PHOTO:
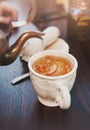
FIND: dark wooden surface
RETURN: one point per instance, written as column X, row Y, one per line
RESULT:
column 19, row 106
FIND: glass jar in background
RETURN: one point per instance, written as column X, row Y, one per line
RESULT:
column 79, row 20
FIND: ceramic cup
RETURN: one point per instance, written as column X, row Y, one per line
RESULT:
column 53, row 90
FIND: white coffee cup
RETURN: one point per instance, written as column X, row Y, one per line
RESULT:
column 53, row 90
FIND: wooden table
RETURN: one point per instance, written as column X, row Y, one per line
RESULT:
column 19, row 106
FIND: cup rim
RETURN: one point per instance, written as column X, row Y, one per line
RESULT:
column 52, row 77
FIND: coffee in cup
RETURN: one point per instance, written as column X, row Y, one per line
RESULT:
column 53, row 74
column 52, row 65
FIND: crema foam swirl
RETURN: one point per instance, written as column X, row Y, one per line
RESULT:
column 52, row 65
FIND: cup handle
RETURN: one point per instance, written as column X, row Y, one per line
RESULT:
column 64, row 100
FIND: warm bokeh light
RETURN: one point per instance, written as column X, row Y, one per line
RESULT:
column 61, row 1
column 64, row 2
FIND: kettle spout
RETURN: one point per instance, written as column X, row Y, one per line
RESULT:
column 12, row 53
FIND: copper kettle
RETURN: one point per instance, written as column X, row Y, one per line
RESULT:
column 9, row 54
